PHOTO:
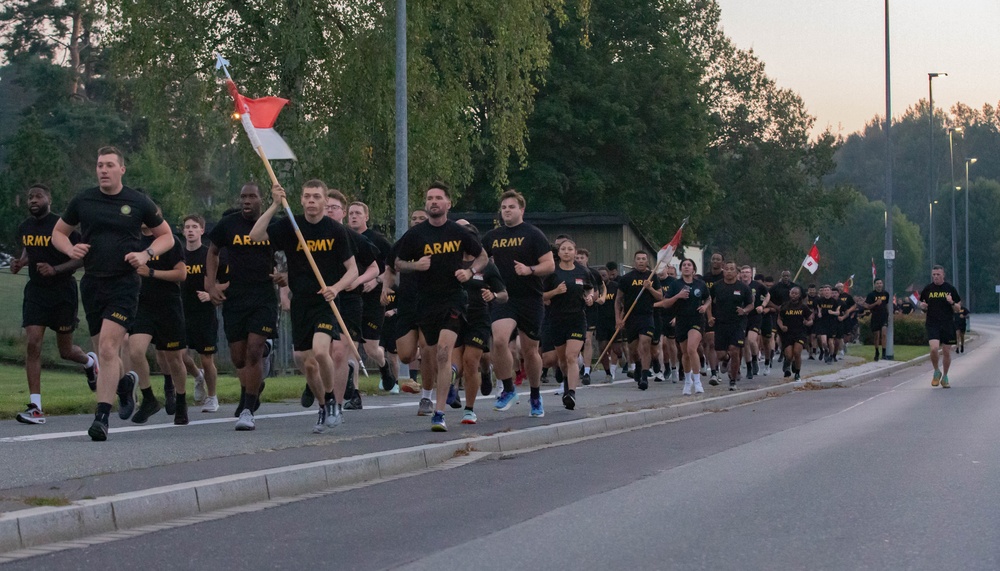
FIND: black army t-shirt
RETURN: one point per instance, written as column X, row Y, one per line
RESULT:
column 938, row 308
column 793, row 316
column 154, row 289
column 629, row 287
column 330, row 246
column 579, row 281
column 112, row 225
column 882, row 310
column 523, row 243
column 249, row 262
column 35, row 236
column 606, row 312
column 446, row 245
column 697, row 294
column 727, row 298
column 195, row 260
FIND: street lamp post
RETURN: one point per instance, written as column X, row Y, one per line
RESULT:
column 968, row 300
column 954, row 224
column 932, row 174
column 889, row 258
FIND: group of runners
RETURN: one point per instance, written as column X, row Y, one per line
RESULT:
column 459, row 306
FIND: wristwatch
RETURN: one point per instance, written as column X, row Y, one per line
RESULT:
column 152, row 272
column 150, row 252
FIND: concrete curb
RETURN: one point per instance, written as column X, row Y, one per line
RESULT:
column 39, row 526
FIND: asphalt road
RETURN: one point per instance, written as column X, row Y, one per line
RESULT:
column 893, row 474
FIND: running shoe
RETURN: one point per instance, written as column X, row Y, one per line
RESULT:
column 246, row 421
column 505, row 400
column 714, row 381
column 569, row 400
column 181, row 408
column 732, row 384
column 354, row 403
column 537, row 411
column 437, row 423
column 469, row 417
column 485, row 383
column 320, row 426
column 643, row 382
column 688, row 385
column 936, row 379
column 388, row 381
column 411, row 386
column 170, row 402
column 92, row 372
column 519, row 378
column 200, row 391
column 426, row 407
column 454, row 401
column 944, row 382
column 308, row 398
column 98, row 431
column 31, row 415
column 585, row 379
column 334, row 415
column 126, row 395
column 788, row 373
column 698, row 389
column 147, row 408
column 798, row 377
column 394, row 390
column 767, row 370
column 756, row 367
column 211, row 404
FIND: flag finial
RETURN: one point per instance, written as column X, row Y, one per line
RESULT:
column 222, row 63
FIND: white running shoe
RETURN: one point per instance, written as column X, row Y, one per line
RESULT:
column 394, row 390
column 200, row 391
column 688, row 385
column 246, row 421
column 698, row 389
column 211, row 404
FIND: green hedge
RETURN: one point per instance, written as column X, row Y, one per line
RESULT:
column 907, row 330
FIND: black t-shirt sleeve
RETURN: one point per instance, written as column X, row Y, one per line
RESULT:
column 71, row 215
column 149, row 216
column 954, row 295
column 218, row 234
column 281, row 235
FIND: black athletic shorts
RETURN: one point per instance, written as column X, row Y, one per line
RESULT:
column 250, row 309
column 685, row 325
column 636, row 326
column 434, row 319
column 163, row 319
column 729, row 335
column 388, row 337
column 789, row 338
column 372, row 315
column 406, row 318
column 202, row 331
column 54, row 307
column 605, row 329
column 310, row 316
column 352, row 312
column 667, row 328
column 754, row 322
column 115, row 299
column 657, row 327
column 528, row 312
column 824, row 327
column 476, row 332
column 842, row 328
column 767, row 325
column 943, row 331
column 563, row 328
column 591, row 313
column 880, row 321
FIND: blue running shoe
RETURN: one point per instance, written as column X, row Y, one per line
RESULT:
column 536, row 408
column 454, row 401
column 505, row 400
column 437, row 422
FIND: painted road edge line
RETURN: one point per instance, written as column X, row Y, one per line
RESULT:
column 36, row 527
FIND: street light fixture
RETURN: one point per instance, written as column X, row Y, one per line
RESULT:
column 932, row 174
column 968, row 300
column 954, row 225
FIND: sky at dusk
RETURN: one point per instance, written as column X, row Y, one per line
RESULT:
column 832, row 52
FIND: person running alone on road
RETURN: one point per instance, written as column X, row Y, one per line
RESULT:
column 940, row 301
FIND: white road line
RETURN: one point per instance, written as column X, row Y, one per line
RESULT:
column 160, row 426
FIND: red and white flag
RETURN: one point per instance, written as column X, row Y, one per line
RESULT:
column 849, row 284
column 915, row 298
column 258, row 117
column 666, row 253
column 811, row 262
